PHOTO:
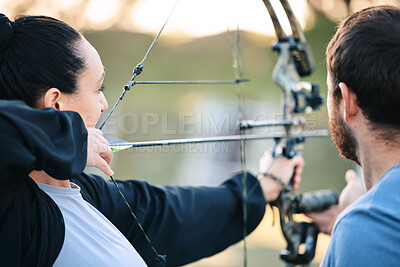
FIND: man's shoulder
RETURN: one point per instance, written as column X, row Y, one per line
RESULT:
column 381, row 200
column 368, row 231
column 364, row 237
column 378, row 207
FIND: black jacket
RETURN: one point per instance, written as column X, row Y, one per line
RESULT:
column 183, row 223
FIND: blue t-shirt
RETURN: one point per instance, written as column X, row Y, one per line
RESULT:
column 367, row 233
column 90, row 238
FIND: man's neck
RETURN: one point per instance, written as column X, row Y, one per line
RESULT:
column 377, row 157
column 44, row 178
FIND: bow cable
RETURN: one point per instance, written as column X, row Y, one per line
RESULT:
column 238, row 69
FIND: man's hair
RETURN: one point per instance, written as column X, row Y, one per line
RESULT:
column 36, row 54
column 365, row 55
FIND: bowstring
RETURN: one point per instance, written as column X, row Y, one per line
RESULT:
column 238, row 70
column 160, row 259
column 134, row 216
column 139, row 67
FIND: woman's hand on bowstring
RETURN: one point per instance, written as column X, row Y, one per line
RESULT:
column 99, row 153
column 283, row 169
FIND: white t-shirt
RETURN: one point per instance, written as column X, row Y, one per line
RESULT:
column 90, row 238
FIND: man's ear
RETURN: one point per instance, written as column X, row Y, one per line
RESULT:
column 351, row 107
column 51, row 98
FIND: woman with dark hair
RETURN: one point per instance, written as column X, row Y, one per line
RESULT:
column 64, row 218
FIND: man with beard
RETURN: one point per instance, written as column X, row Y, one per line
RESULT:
column 363, row 103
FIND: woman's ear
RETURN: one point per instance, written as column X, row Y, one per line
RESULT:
column 51, row 98
column 351, row 107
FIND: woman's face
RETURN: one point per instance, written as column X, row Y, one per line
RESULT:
column 89, row 100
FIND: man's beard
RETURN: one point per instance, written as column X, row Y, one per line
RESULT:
column 343, row 137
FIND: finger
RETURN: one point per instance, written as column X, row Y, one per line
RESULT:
column 297, row 164
column 351, row 176
column 94, row 131
column 102, row 140
column 107, row 156
column 296, row 182
column 104, row 167
column 317, row 217
column 104, row 148
column 312, row 215
column 108, row 171
column 97, row 131
column 105, row 152
column 298, row 161
column 298, row 170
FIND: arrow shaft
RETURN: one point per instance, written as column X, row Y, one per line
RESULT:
column 229, row 138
